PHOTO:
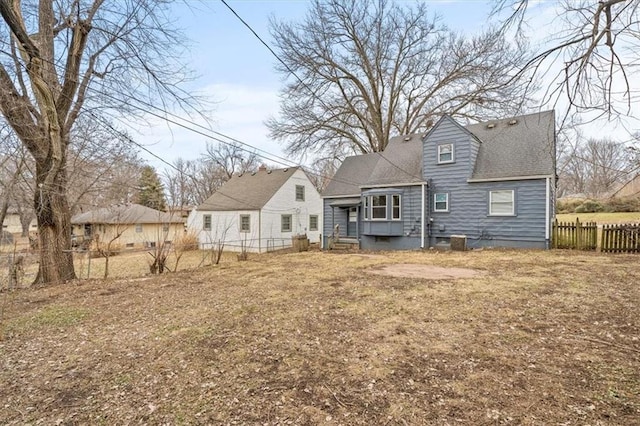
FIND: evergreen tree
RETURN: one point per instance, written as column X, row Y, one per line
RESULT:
column 151, row 191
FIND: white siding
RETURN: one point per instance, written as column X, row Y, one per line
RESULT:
column 225, row 226
column 284, row 202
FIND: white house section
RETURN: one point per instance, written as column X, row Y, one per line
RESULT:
column 294, row 208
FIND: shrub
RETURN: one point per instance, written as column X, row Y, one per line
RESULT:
column 624, row 204
column 590, row 206
column 568, row 205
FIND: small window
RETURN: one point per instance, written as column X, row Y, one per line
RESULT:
column 285, row 221
column 313, row 222
column 299, row 193
column 245, row 223
column 379, row 207
column 441, row 202
column 395, row 207
column 165, row 227
column 138, row 228
column 445, row 153
column 206, row 222
column 129, row 245
column 501, row 203
column 365, row 211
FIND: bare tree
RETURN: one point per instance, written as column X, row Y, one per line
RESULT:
column 594, row 167
column 62, row 59
column 367, row 70
column 595, row 41
column 229, row 159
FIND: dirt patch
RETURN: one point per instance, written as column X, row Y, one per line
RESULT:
column 427, row 272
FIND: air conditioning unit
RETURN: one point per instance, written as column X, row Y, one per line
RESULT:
column 458, row 242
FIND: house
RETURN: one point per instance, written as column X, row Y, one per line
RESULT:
column 492, row 182
column 127, row 225
column 12, row 223
column 259, row 211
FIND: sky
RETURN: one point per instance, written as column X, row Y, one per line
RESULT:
column 236, row 72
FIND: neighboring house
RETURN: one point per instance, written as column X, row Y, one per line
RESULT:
column 259, row 211
column 13, row 225
column 134, row 225
column 492, row 182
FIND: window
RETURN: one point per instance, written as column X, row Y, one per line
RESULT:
column 313, row 222
column 245, row 223
column 165, row 227
column 365, row 211
column 206, row 222
column 445, row 153
column 378, row 207
column 299, row 193
column 285, row 222
column 441, row 202
column 501, row 203
column 138, row 228
column 395, row 207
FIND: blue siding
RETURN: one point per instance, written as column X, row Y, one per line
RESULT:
column 403, row 234
column 469, row 202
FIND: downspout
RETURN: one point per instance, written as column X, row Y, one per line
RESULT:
column 547, row 213
column 422, row 218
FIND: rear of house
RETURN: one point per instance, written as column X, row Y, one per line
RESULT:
column 492, row 182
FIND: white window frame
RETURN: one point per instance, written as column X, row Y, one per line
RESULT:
column 138, row 228
column 365, row 210
column 395, row 197
column 207, row 226
column 301, row 193
column 512, row 202
column 435, row 202
column 282, row 227
column 242, row 228
column 440, row 153
column 375, row 208
column 317, row 224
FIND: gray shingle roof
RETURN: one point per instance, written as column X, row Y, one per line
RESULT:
column 401, row 162
column 526, row 148
column 249, row 191
column 507, row 150
column 125, row 213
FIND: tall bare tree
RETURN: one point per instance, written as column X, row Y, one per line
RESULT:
column 230, row 158
column 366, row 70
column 596, row 43
column 61, row 58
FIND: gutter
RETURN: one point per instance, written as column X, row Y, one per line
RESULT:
column 547, row 213
column 422, row 219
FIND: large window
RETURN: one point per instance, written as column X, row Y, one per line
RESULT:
column 299, row 193
column 313, row 222
column 382, row 207
column 395, row 207
column 379, row 207
column 441, row 202
column 245, row 223
column 206, row 222
column 501, row 203
column 445, row 153
column 285, row 223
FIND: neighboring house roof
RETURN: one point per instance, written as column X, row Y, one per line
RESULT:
column 125, row 214
column 248, row 191
column 515, row 147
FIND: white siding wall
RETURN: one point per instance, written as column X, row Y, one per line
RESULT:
column 284, row 202
column 225, row 226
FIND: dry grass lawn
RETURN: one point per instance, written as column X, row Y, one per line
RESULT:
column 601, row 218
column 533, row 338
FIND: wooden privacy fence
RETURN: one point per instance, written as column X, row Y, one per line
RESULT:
column 575, row 235
column 624, row 238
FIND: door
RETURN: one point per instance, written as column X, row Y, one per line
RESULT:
column 352, row 223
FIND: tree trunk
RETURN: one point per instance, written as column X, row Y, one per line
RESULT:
column 54, row 223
